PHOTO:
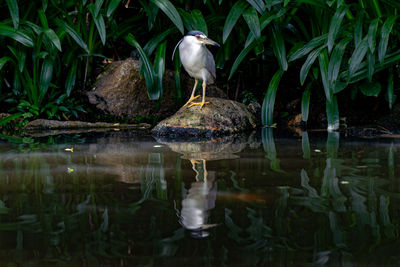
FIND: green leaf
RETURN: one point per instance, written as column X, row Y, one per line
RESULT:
column 278, row 45
column 71, row 78
column 74, row 35
column 149, row 74
column 390, row 93
column 151, row 12
column 10, row 118
column 199, row 22
column 100, row 25
column 334, row 27
column 332, row 114
column 168, row 8
column 305, row 103
column 234, row 14
column 323, row 60
column 370, row 65
column 45, row 77
column 308, row 63
column 373, row 27
column 53, row 38
column 358, row 28
column 3, row 61
column 336, row 60
column 14, row 12
column 357, row 57
column 17, row 35
column 97, row 7
column 43, row 19
column 258, row 5
column 385, row 32
column 251, row 18
column 112, row 6
column 307, row 48
column 159, row 68
column 153, row 43
column 267, row 109
column 240, row 58
column 370, row 88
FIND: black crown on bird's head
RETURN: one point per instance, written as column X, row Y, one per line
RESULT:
column 194, row 33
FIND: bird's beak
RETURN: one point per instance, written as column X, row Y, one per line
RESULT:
column 209, row 42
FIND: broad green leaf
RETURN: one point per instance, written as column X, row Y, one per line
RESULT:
column 370, row 88
column 267, row 109
column 74, row 35
column 53, row 38
column 278, row 45
column 240, row 58
column 358, row 29
column 177, row 76
column 357, row 57
column 307, row 48
column 373, row 27
column 17, row 35
column 334, row 27
column 234, row 14
column 71, row 78
column 385, row 32
column 336, row 60
column 20, row 55
column 151, row 11
column 46, row 75
column 390, row 93
column 168, row 8
column 153, row 42
column 332, row 114
column 3, row 61
column 305, row 103
column 100, row 25
column 4, row 122
column 14, row 12
column 370, row 65
column 323, row 60
column 159, row 68
column 149, row 74
column 308, row 63
column 43, row 19
column 199, row 21
column 251, row 18
column 258, row 5
column 112, row 6
column 97, row 7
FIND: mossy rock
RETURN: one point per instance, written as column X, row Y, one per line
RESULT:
column 220, row 117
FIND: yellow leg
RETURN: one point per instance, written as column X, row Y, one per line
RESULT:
column 203, row 100
column 192, row 97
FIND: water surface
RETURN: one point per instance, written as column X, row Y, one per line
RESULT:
column 126, row 199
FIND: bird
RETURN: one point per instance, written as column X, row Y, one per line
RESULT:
column 198, row 62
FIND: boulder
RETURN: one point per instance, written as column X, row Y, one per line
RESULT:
column 220, row 117
column 120, row 91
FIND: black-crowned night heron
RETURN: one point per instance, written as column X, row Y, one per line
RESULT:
column 197, row 61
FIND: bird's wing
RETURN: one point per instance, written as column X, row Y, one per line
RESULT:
column 210, row 64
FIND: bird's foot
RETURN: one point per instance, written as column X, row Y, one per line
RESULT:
column 191, row 99
column 201, row 104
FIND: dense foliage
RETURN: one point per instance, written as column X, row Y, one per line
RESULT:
column 52, row 49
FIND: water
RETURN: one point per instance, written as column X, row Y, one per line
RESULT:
column 124, row 199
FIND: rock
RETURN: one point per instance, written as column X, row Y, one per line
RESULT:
column 120, row 91
column 220, row 117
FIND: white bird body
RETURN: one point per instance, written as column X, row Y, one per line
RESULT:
column 195, row 58
column 198, row 62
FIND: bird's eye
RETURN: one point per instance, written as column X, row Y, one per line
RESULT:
column 198, row 36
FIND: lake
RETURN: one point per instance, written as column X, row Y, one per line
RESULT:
column 124, row 198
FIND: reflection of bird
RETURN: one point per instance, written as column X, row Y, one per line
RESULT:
column 197, row 61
